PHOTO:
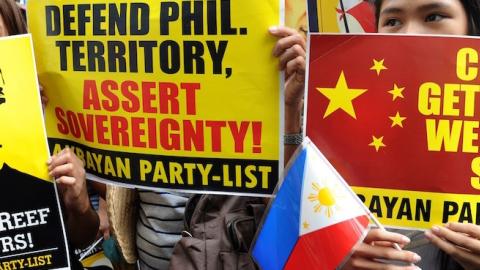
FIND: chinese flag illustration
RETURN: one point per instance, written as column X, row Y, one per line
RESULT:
column 397, row 112
column 340, row 16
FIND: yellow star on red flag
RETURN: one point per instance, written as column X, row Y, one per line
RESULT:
column 341, row 97
column 377, row 143
column 378, row 66
column 397, row 120
column 397, row 92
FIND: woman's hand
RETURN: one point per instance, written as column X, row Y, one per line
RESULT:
column 82, row 221
column 69, row 174
column 290, row 50
column 459, row 240
column 379, row 245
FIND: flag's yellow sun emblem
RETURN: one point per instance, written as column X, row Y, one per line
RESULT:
column 324, row 197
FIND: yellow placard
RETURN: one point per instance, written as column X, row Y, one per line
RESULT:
column 97, row 259
column 296, row 15
column 419, row 210
column 31, row 232
column 22, row 140
column 170, row 94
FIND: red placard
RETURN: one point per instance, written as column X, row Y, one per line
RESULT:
column 398, row 113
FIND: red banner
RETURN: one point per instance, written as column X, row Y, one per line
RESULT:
column 398, row 113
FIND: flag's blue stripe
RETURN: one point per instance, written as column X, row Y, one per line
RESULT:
column 280, row 231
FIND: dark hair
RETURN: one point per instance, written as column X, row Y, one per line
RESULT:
column 12, row 17
column 471, row 7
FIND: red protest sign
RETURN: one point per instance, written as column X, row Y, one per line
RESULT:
column 398, row 114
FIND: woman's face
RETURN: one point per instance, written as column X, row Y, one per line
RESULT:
column 3, row 29
column 423, row 17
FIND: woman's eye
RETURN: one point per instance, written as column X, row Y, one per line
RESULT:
column 434, row 18
column 392, row 22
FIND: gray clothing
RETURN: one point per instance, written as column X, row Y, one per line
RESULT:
column 159, row 227
column 431, row 255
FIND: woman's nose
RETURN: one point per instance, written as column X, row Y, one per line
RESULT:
column 414, row 28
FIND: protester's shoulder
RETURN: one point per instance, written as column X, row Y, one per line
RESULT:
column 146, row 195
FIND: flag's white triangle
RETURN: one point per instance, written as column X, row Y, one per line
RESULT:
column 325, row 200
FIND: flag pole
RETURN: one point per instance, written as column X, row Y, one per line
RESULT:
column 377, row 223
column 344, row 13
column 86, row 253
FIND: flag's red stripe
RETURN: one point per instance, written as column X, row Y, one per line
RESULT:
column 326, row 248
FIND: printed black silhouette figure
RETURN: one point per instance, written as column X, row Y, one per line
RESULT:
column 20, row 193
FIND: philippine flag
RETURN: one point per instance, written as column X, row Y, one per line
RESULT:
column 314, row 220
